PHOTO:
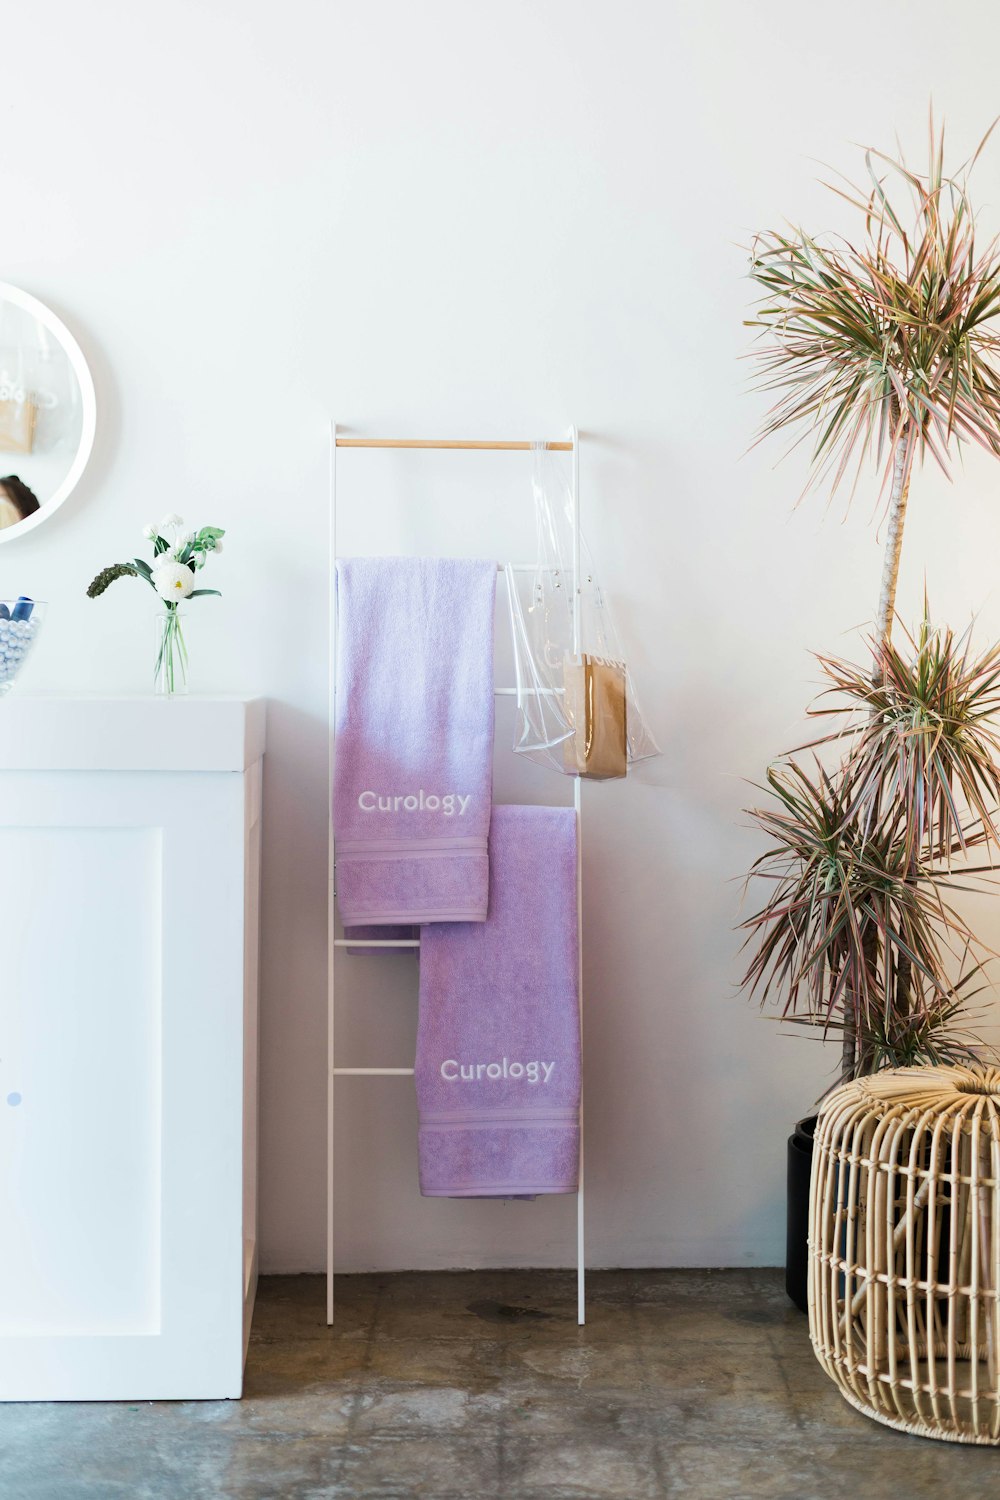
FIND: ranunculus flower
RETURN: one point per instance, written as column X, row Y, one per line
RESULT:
column 173, row 580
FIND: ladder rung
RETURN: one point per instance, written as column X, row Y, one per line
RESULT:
column 374, row 1072
column 376, row 942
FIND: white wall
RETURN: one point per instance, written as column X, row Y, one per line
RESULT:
column 472, row 219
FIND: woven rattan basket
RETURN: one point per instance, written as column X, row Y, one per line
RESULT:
column 904, row 1249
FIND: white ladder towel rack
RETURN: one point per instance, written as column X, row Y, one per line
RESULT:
column 339, row 440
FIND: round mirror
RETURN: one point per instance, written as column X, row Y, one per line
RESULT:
column 48, row 412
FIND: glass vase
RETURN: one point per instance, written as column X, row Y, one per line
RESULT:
column 170, row 674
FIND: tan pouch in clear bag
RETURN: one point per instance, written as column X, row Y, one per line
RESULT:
column 595, row 706
column 17, row 426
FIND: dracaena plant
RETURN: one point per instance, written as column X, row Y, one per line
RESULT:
column 882, row 351
column 884, row 347
column 857, row 934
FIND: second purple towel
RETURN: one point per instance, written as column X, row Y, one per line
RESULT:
column 498, row 1041
column 414, row 748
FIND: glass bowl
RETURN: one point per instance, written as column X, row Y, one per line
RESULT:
column 20, row 622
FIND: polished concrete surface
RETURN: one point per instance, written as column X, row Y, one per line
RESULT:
column 480, row 1385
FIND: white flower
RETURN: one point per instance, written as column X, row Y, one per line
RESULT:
column 217, row 545
column 168, row 555
column 149, row 532
column 171, row 523
column 173, row 580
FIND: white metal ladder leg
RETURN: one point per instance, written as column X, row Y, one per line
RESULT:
column 581, row 1290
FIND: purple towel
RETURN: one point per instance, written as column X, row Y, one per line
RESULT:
column 414, row 761
column 498, row 1041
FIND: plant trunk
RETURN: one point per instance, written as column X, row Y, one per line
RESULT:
column 856, row 1058
column 849, row 1048
column 904, row 968
column 851, row 1062
column 893, row 540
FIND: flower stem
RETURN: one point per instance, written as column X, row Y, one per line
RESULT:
column 170, row 671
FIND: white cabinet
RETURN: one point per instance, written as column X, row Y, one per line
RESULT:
column 129, row 880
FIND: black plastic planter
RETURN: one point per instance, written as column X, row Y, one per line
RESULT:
column 800, row 1154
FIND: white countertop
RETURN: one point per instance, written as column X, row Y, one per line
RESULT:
column 143, row 733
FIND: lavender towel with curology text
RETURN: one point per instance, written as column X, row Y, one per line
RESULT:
column 498, row 1040
column 414, row 749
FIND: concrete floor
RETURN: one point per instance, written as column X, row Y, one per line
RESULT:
column 477, row 1386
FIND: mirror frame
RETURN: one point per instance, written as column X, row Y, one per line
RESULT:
column 88, row 400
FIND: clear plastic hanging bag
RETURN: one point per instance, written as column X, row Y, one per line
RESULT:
column 577, row 708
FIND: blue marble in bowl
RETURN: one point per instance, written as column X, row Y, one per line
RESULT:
column 20, row 622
